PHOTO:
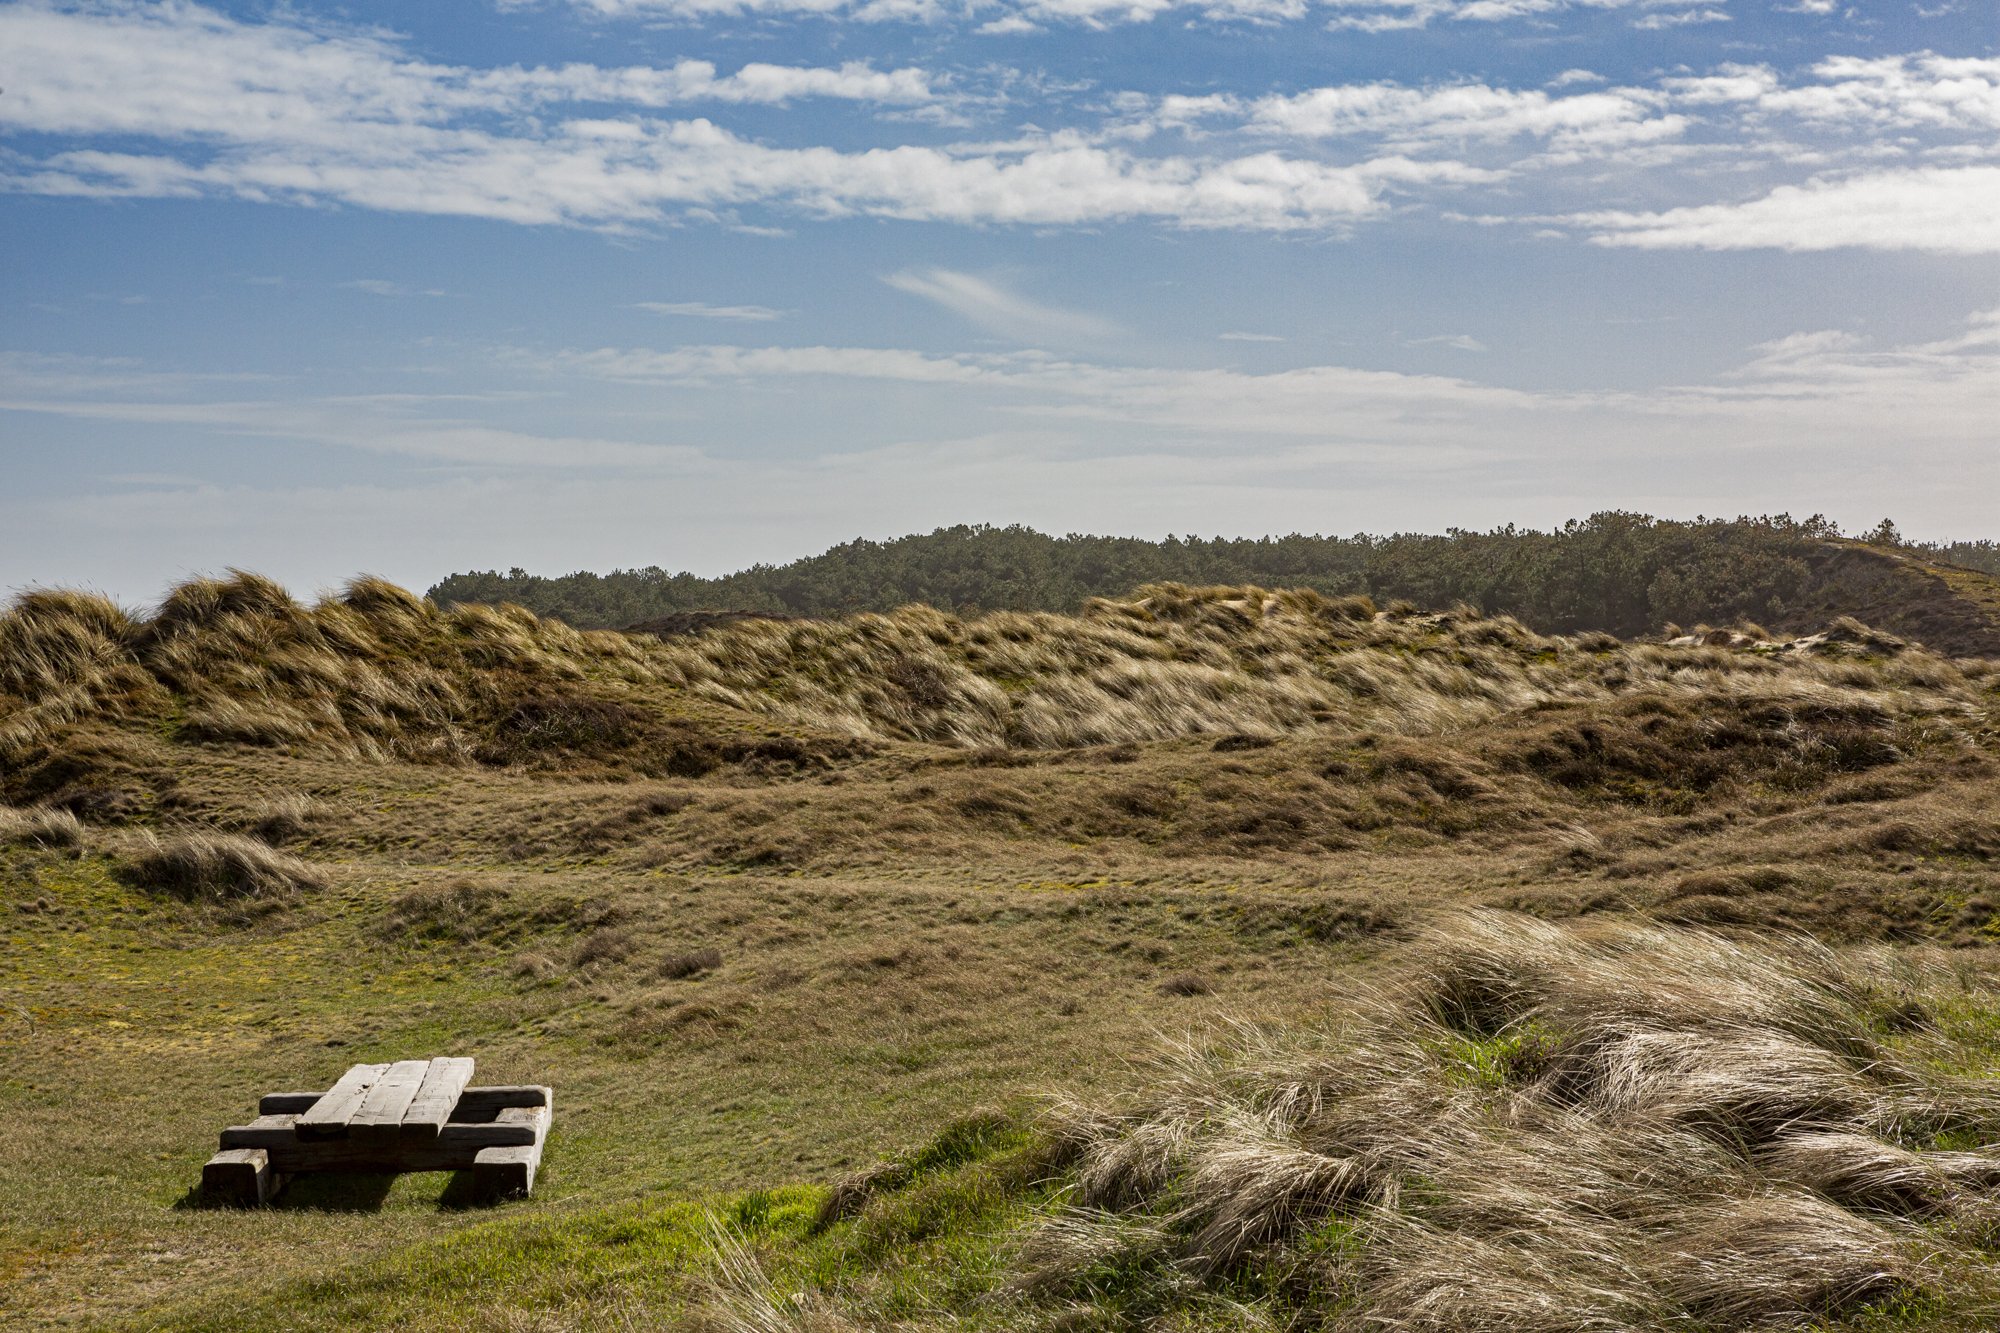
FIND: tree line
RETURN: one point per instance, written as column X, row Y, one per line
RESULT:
column 1622, row 572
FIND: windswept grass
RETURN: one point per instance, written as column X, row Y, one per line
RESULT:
column 217, row 867
column 376, row 673
column 1244, row 662
column 39, row 828
column 371, row 673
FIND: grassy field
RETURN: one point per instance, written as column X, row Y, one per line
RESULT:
column 1020, row 971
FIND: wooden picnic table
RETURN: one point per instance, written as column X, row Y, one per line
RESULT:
column 413, row 1115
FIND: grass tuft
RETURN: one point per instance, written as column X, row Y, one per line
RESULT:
column 217, row 867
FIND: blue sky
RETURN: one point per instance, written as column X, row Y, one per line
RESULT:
column 316, row 289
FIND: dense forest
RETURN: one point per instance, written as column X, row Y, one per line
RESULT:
column 1622, row 572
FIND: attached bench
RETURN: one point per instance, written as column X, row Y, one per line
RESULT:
column 413, row 1115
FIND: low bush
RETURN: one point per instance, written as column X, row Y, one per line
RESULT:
column 461, row 912
column 680, row 966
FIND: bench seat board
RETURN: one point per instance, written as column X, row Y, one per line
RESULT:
column 281, row 1103
column 328, row 1116
column 444, row 1082
column 479, row 1101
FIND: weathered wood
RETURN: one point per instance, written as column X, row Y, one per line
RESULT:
column 497, row 1133
column 263, row 1132
column 240, row 1178
column 380, row 1117
column 444, row 1082
column 470, row 1100
column 505, row 1173
column 456, row 1147
column 513, row 1127
column 477, row 1101
column 329, row 1115
column 284, row 1103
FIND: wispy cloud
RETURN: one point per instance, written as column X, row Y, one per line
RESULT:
column 1461, row 342
column 1066, row 443
column 1391, row 15
column 996, row 309
column 1003, row 17
column 1238, row 336
column 383, row 287
column 1679, row 19
column 1942, row 209
column 755, row 314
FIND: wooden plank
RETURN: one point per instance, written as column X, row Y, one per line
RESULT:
column 282, row 1103
column 350, row 1154
column 444, row 1082
column 329, row 1115
column 505, row 1173
column 266, row 1131
column 240, row 1178
column 380, row 1118
column 514, row 1127
column 480, row 1101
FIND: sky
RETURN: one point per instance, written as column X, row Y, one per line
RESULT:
column 317, row 289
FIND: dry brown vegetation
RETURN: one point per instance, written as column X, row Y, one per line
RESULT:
column 216, row 867
column 1549, row 1127
column 765, row 899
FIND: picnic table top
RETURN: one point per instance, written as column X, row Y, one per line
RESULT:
column 406, row 1098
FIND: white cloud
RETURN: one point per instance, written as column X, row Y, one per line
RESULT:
column 994, row 308
column 1237, row 336
column 631, row 173
column 702, row 310
column 282, row 114
column 1679, row 19
column 1459, row 342
column 1920, row 91
column 1022, row 16
column 1942, row 209
column 1412, row 117
column 383, row 287
column 177, row 68
column 1804, row 390
column 1907, row 91
column 175, row 100
column 1389, row 15
column 696, row 81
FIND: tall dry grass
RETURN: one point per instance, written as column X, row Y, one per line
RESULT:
column 375, row 672
column 1549, row 1128
column 48, row 829
column 1178, row 661
column 211, row 867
